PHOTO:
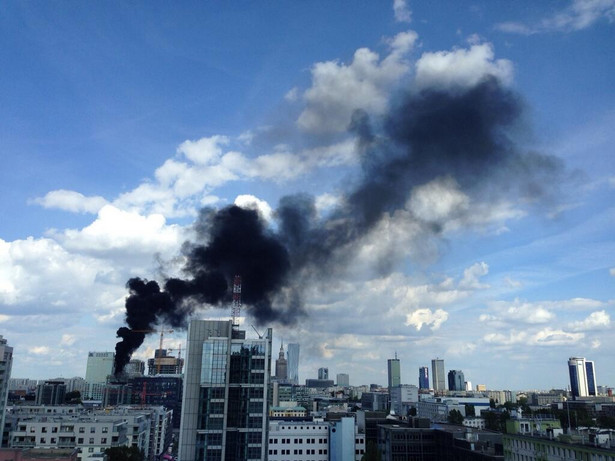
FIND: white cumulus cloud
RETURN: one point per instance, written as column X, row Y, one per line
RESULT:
column 424, row 316
column 339, row 89
column 461, row 68
column 71, row 201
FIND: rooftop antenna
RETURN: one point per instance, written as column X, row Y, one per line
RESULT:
column 236, row 309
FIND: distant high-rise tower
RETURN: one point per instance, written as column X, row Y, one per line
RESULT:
column 6, row 362
column 323, row 373
column 224, row 406
column 582, row 377
column 99, row 366
column 456, row 380
column 437, row 375
column 394, row 372
column 293, row 363
column 423, row 378
column 343, row 380
column 281, row 366
column 164, row 364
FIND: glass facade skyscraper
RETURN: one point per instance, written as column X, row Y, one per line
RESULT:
column 582, row 377
column 224, row 407
column 456, row 380
column 437, row 375
column 394, row 372
column 423, row 378
column 293, row 362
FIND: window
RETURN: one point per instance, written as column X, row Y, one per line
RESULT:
column 43, row 440
column 44, row 429
column 54, row 429
column 80, row 440
column 92, row 430
column 103, row 440
column 90, row 450
column 91, row 439
column 105, row 430
column 81, row 430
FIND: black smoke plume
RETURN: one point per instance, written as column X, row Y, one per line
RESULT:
column 465, row 135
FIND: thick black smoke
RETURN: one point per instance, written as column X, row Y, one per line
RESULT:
column 464, row 135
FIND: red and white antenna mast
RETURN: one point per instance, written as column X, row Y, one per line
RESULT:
column 236, row 310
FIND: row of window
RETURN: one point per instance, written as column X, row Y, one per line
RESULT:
column 54, row 430
column 298, row 451
column 80, row 441
column 297, row 441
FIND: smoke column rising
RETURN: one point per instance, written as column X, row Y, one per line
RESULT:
column 465, row 135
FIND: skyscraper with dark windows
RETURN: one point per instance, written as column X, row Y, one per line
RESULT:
column 293, row 362
column 224, row 406
column 323, row 373
column 437, row 375
column 582, row 377
column 423, row 378
column 456, row 380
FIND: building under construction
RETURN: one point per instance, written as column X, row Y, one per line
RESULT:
column 164, row 364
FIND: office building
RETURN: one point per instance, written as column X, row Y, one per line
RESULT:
column 99, row 366
column 6, row 363
column 343, row 380
column 403, row 398
column 323, row 373
column 226, row 382
column 437, row 375
column 293, row 363
column 394, row 372
column 456, row 380
column 50, row 393
column 163, row 390
column 582, row 377
column 281, row 365
column 423, row 378
column 164, row 364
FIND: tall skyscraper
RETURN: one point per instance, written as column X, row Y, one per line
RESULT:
column 394, row 372
column 99, row 366
column 456, row 380
column 437, row 374
column 323, row 373
column 281, row 365
column 293, row 363
column 224, row 406
column 423, row 378
column 343, row 380
column 582, row 377
column 6, row 363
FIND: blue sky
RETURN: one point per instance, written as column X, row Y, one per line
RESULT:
column 120, row 121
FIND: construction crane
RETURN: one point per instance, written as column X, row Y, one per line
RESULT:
column 162, row 331
column 236, row 309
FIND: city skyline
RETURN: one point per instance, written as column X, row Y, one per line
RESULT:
column 488, row 243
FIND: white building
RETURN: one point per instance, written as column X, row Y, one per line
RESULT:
column 90, row 434
column 299, row 441
column 6, row 363
column 71, row 426
column 316, row 440
column 437, row 409
column 403, row 397
column 475, row 422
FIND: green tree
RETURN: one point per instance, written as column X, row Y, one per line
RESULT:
column 371, row 452
column 470, row 410
column 72, row 397
column 124, row 453
column 455, row 417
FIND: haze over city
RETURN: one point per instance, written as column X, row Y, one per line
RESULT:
column 432, row 179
